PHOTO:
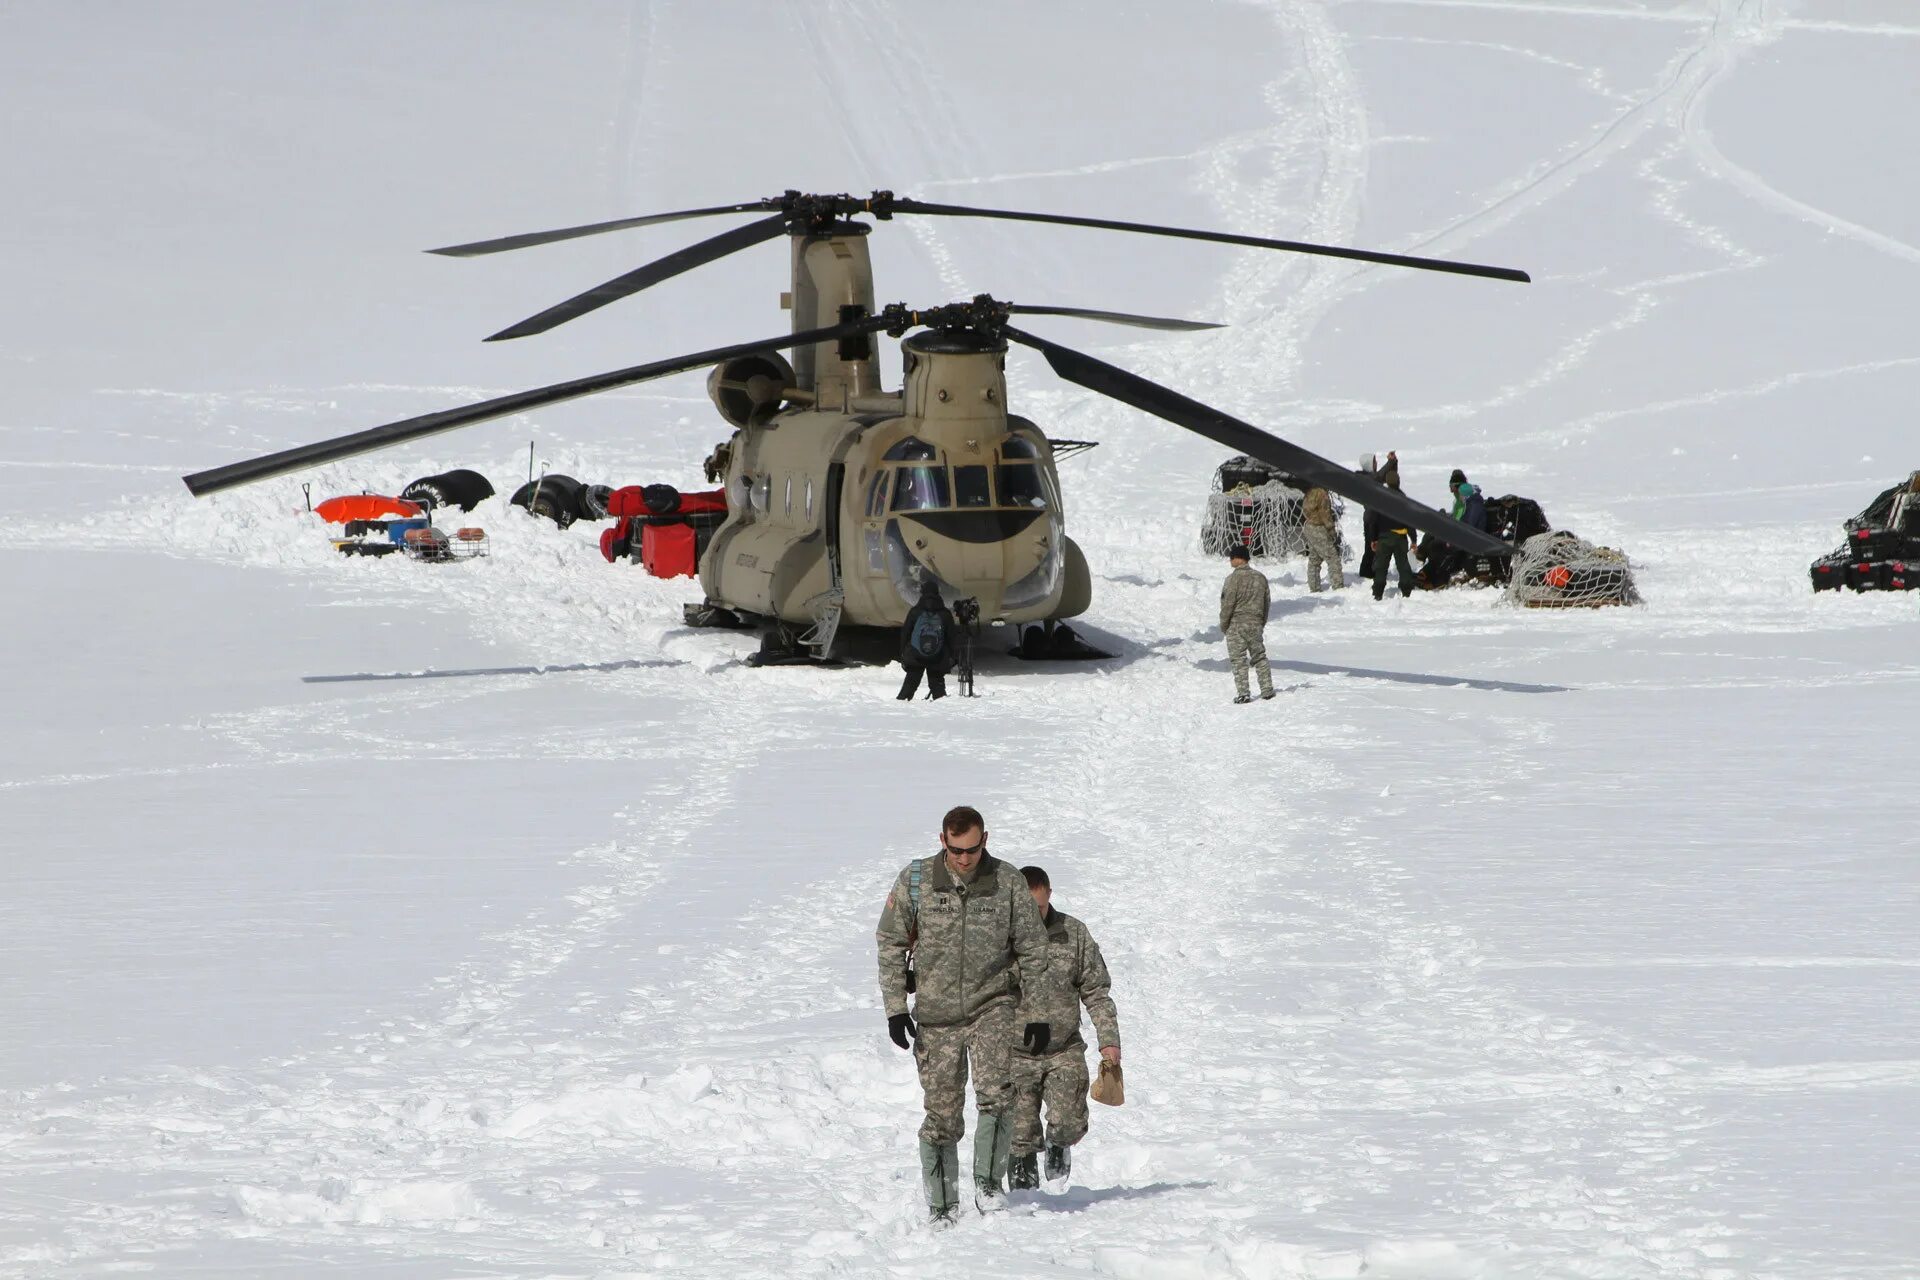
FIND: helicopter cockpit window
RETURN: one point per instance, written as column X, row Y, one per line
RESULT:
column 920, row 489
column 1020, row 485
column 877, row 495
column 970, row 487
column 1019, row 447
column 912, row 449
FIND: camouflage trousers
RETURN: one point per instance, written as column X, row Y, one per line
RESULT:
column 1059, row 1080
column 1248, row 646
column 942, row 1055
column 1322, row 548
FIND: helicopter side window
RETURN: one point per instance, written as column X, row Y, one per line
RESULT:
column 877, row 495
column 970, row 487
column 761, row 494
column 809, row 498
column 787, row 501
column 920, row 489
column 1020, row 485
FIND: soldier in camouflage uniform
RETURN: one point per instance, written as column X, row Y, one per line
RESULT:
column 1323, row 547
column 1243, row 616
column 1076, row 975
column 954, row 929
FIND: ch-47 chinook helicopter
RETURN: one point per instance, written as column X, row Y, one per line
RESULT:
column 843, row 496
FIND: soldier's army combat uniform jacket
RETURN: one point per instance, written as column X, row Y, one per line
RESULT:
column 1076, row 975
column 969, row 941
column 1244, row 600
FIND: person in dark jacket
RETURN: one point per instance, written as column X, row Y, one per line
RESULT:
column 926, row 643
column 1388, row 541
column 1371, row 468
column 1469, row 507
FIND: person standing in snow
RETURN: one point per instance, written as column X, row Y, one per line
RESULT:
column 1372, row 470
column 1316, row 526
column 1389, row 542
column 1076, row 975
column 926, row 643
column 1244, row 601
column 956, row 927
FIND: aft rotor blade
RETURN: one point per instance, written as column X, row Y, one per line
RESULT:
column 1151, row 397
column 526, row 239
column 694, row 255
column 1219, row 237
column 427, row 424
column 1115, row 317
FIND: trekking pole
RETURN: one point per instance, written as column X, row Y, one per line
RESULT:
column 307, row 490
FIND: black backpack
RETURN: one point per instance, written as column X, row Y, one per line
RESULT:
column 929, row 634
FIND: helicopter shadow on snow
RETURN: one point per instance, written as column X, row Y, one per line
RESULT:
column 462, row 673
column 1080, row 1199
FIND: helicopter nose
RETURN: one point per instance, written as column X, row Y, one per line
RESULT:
column 978, row 554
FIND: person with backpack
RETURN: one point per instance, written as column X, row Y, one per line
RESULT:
column 927, row 643
column 1076, row 976
column 958, row 929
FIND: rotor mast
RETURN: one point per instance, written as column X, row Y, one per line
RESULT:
column 833, row 285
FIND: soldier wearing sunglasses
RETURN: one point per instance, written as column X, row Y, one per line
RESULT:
column 955, row 929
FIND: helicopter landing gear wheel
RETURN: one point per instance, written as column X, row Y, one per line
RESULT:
column 779, row 647
column 1055, row 641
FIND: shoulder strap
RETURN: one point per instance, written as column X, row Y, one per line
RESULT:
column 913, row 898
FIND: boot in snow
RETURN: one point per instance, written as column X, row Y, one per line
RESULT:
column 992, row 1142
column 1023, row 1174
column 1059, row 1169
column 940, row 1173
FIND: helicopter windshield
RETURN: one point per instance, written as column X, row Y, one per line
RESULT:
column 970, row 487
column 1020, row 485
column 920, row 489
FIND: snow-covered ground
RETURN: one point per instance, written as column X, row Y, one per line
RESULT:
column 1505, row 944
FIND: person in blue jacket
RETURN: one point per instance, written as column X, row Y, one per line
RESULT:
column 1468, row 506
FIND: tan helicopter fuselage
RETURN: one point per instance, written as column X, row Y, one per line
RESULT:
column 857, row 495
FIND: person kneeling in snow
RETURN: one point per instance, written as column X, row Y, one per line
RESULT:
column 1057, row 1077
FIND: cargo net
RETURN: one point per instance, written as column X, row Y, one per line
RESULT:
column 1266, row 520
column 1561, row 571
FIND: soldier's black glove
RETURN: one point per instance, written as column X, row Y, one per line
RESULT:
column 1036, row 1036
column 900, row 1027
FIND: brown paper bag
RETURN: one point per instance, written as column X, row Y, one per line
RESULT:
column 1111, row 1087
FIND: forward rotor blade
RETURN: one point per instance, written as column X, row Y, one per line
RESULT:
column 1115, row 317
column 694, row 255
column 1219, row 237
column 427, row 424
column 522, row 241
column 1151, row 397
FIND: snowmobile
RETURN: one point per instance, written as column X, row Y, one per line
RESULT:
column 1882, row 550
column 1510, row 518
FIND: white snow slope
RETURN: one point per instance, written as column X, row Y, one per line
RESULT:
column 1504, row 944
